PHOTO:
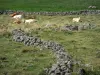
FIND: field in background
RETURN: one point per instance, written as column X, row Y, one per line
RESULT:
column 48, row 5
column 18, row 59
column 51, row 21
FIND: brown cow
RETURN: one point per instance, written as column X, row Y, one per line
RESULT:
column 12, row 15
column 17, row 21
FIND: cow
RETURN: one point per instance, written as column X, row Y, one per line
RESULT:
column 76, row 19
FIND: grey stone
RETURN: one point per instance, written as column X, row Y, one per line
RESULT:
column 57, row 71
column 52, row 74
column 67, row 73
column 18, row 38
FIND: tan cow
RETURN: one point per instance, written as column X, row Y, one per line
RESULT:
column 76, row 19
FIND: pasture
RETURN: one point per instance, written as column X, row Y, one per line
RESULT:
column 49, row 5
column 18, row 59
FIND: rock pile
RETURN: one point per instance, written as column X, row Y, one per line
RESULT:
column 64, row 64
column 20, row 36
column 77, row 27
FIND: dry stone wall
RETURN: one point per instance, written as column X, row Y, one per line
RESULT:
column 64, row 65
column 85, row 12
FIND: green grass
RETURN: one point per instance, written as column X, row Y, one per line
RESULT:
column 48, row 5
column 18, row 59
column 22, row 59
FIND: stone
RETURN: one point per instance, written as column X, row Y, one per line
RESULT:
column 57, row 71
column 52, row 74
column 67, row 73
column 82, row 71
column 18, row 38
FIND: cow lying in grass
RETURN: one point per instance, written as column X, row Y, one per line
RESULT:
column 17, row 21
column 28, row 21
column 17, row 17
column 76, row 19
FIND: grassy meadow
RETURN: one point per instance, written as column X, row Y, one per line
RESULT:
column 48, row 5
column 18, row 59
